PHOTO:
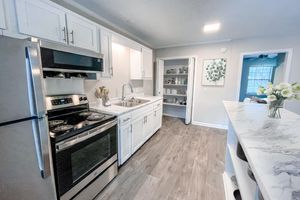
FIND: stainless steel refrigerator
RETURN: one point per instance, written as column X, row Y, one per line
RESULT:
column 25, row 156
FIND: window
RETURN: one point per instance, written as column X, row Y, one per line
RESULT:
column 259, row 76
column 256, row 73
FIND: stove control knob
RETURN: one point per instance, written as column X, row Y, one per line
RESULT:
column 84, row 98
column 80, row 98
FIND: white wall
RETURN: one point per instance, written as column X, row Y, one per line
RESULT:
column 208, row 107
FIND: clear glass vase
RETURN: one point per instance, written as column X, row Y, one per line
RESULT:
column 274, row 109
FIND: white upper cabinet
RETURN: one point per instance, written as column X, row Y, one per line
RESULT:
column 47, row 20
column 2, row 15
column 106, row 50
column 141, row 64
column 82, row 32
column 41, row 19
column 136, row 71
column 147, row 63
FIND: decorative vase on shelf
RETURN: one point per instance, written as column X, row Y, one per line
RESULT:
column 277, row 94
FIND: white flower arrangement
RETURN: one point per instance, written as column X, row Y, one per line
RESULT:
column 280, row 92
column 276, row 94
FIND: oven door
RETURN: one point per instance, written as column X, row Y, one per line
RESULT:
column 76, row 158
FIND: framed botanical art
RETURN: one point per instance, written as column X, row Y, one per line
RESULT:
column 214, row 71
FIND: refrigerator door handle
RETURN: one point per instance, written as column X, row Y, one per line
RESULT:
column 38, row 107
column 40, row 132
column 34, row 77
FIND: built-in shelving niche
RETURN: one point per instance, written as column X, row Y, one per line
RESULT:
column 175, row 87
column 175, row 82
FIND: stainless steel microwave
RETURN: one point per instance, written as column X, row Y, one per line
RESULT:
column 56, row 57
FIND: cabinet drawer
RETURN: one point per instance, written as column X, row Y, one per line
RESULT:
column 157, row 105
column 124, row 119
column 142, row 111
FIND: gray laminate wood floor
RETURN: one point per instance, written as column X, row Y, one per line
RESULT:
column 179, row 162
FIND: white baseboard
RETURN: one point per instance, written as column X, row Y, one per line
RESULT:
column 219, row 126
column 170, row 115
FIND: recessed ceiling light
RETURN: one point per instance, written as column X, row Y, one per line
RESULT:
column 209, row 28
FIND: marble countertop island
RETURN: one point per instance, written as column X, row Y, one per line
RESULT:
column 272, row 147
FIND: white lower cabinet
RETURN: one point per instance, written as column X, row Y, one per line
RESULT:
column 125, row 145
column 137, row 133
column 137, row 127
column 157, row 119
column 148, row 125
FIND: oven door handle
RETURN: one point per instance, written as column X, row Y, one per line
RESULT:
column 84, row 136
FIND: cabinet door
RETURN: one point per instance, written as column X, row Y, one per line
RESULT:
column 106, row 50
column 148, row 123
column 136, row 72
column 159, row 77
column 137, row 133
column 189, row 100
column 125, row 142
column 2, row 15
column 82, row 32
column 157, row 119
column 41, row 19
column 147, row 64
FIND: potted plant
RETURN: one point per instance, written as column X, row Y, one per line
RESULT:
column 277, row 94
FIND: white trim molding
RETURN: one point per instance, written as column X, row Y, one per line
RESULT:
column 191, row 44
column 210, row 125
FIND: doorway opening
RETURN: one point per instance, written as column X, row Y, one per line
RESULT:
column 260, row 69
column 175, row 82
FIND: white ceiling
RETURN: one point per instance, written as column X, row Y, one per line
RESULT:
column 163, row 23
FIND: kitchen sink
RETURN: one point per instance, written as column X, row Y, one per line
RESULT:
column 131, row 102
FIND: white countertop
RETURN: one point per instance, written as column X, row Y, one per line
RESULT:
column 272, row 147
column 119, row 110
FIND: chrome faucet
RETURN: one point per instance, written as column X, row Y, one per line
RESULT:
column 123, row 90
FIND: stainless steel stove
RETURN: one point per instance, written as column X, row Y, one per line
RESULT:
column 84, row 144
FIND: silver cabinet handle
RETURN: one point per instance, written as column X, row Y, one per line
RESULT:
column 72, row 34
column 125, row 120
column 111, row 71
column 65, row 34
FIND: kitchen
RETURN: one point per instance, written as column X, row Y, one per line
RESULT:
column 90, row 110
